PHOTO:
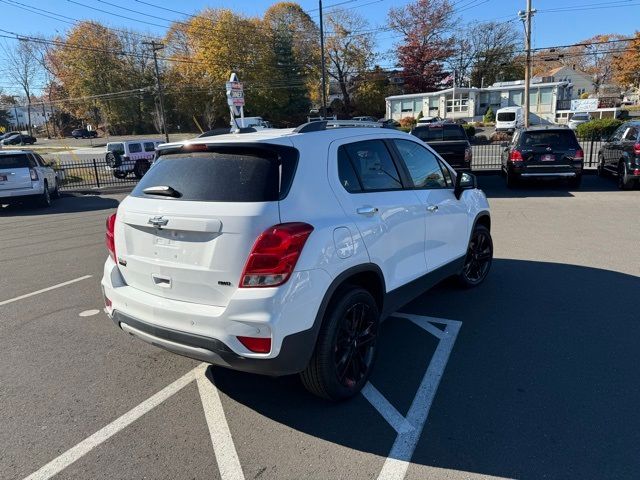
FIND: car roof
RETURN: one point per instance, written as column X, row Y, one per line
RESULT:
column 286, row 136
column 542, row 128
column 14, row 152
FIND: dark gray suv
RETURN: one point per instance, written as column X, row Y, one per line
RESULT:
column 620, row 155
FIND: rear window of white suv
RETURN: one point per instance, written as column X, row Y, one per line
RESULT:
column 14, row 161
column 227, row 174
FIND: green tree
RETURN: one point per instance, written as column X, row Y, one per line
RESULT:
column 370, row 92
column 489, row 116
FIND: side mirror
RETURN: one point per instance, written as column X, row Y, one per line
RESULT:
column 464, row 181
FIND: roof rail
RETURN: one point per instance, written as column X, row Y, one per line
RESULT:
column 318, row 126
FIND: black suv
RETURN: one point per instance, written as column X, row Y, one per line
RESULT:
column 620, row 155
column 449, row 140
column 84, row 133
column 543, row 152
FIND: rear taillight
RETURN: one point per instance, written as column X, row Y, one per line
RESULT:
column 255, row 344
column 275, row 254
column 515, row 156
column 34, row 175
column 579, row 155
column 109, row 238
column 467, row 154
column 636, row 148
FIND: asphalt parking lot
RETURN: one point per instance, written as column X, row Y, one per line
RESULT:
column 532, row 375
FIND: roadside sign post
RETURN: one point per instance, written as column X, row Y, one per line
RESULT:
column 235, row 99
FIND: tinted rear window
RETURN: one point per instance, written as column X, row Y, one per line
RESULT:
column 506, row 116
column 228, row 174
column 440, row 132
column 553, row 138
column 14, row 161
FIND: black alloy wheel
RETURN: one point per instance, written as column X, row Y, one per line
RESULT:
column 479, row 257
column 355, row 345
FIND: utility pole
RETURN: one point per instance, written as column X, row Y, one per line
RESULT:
column 155, row 46
column 324, row 73
column 526, row 19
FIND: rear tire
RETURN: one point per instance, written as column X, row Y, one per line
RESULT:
column 575, row 181
column 345, row 350
column 625, row 182
column 512, row 180
column 141, row 167
column 479, row 258
column 45, row 199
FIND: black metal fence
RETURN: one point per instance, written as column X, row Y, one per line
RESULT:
column 90, row 173
column 95, row 173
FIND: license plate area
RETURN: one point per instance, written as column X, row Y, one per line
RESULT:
column 547, row 157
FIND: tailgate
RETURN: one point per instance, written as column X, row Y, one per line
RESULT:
column 14, row 178
column 195, row 257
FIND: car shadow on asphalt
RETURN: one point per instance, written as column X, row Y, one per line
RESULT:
column 68, row 203
column 494, row 187
column 542, row 381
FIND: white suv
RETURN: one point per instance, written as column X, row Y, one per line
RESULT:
column 26, row 176
column 133, row 156
column 279, row 252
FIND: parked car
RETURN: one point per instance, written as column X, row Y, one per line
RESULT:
column 8, row 134
column 133, row 156
column 578, row 119
column 509, row 119
column 84, row 133
column 543, row 152
column 217, row 255
column 426, row 120
column 449, row 140
column 620, row 155
column 25, row 176
column 19, row 139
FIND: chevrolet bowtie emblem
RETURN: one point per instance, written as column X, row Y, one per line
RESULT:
column 158, row 222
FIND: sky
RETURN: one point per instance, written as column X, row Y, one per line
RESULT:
column 557, row 22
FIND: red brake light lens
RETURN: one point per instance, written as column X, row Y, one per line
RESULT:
column 516, row 156
column 256, row 345
column 636, row 148
column 579, row 155
column 109, row 238
column 275, row 254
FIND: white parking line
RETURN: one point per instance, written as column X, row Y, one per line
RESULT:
column 37, row 292
column 384, row 408
column 58, row 464
column 226, row 455
column 398, row 461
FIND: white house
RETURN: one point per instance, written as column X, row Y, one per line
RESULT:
column 18, row 116
column 582, row 82
column 471, row 103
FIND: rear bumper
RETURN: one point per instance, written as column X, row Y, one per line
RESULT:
column 545, row 171
column 209, row 333
column 22, row 194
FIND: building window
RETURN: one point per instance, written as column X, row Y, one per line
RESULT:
column 546, row 95
column 533, row 98
column 395, row 106
column 515, row 98
column 407, row 106
column 458, row 104
column 417, row 106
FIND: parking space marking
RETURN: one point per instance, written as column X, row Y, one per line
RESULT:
column 399, row 458
column 48, row 289
column 58, row 464
column 384, row 408
column 223, row 447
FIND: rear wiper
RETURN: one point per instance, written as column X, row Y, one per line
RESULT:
column 163, row 190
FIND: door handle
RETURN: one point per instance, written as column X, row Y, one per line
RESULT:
column 432, row 208
column 368, row 211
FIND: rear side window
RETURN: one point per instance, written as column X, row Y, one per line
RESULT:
column 427, row 134
column 135, row 148
column 506, row 116
column 149, row 146
column 554, row 138
column 631, row 135
column 227, row 174
column 453, row 132
column 373, row 165
column 116, row 148
column 424, row 168
column 14, row 161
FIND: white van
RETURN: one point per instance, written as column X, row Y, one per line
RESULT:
column 508, row 119
column 252, row 122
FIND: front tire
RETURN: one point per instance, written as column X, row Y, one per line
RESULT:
column 479, row 258
column 120, row 175
column 345, row 351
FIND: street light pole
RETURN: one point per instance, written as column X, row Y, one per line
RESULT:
column 526, row 18
column 155, row 46
column 324, row 73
